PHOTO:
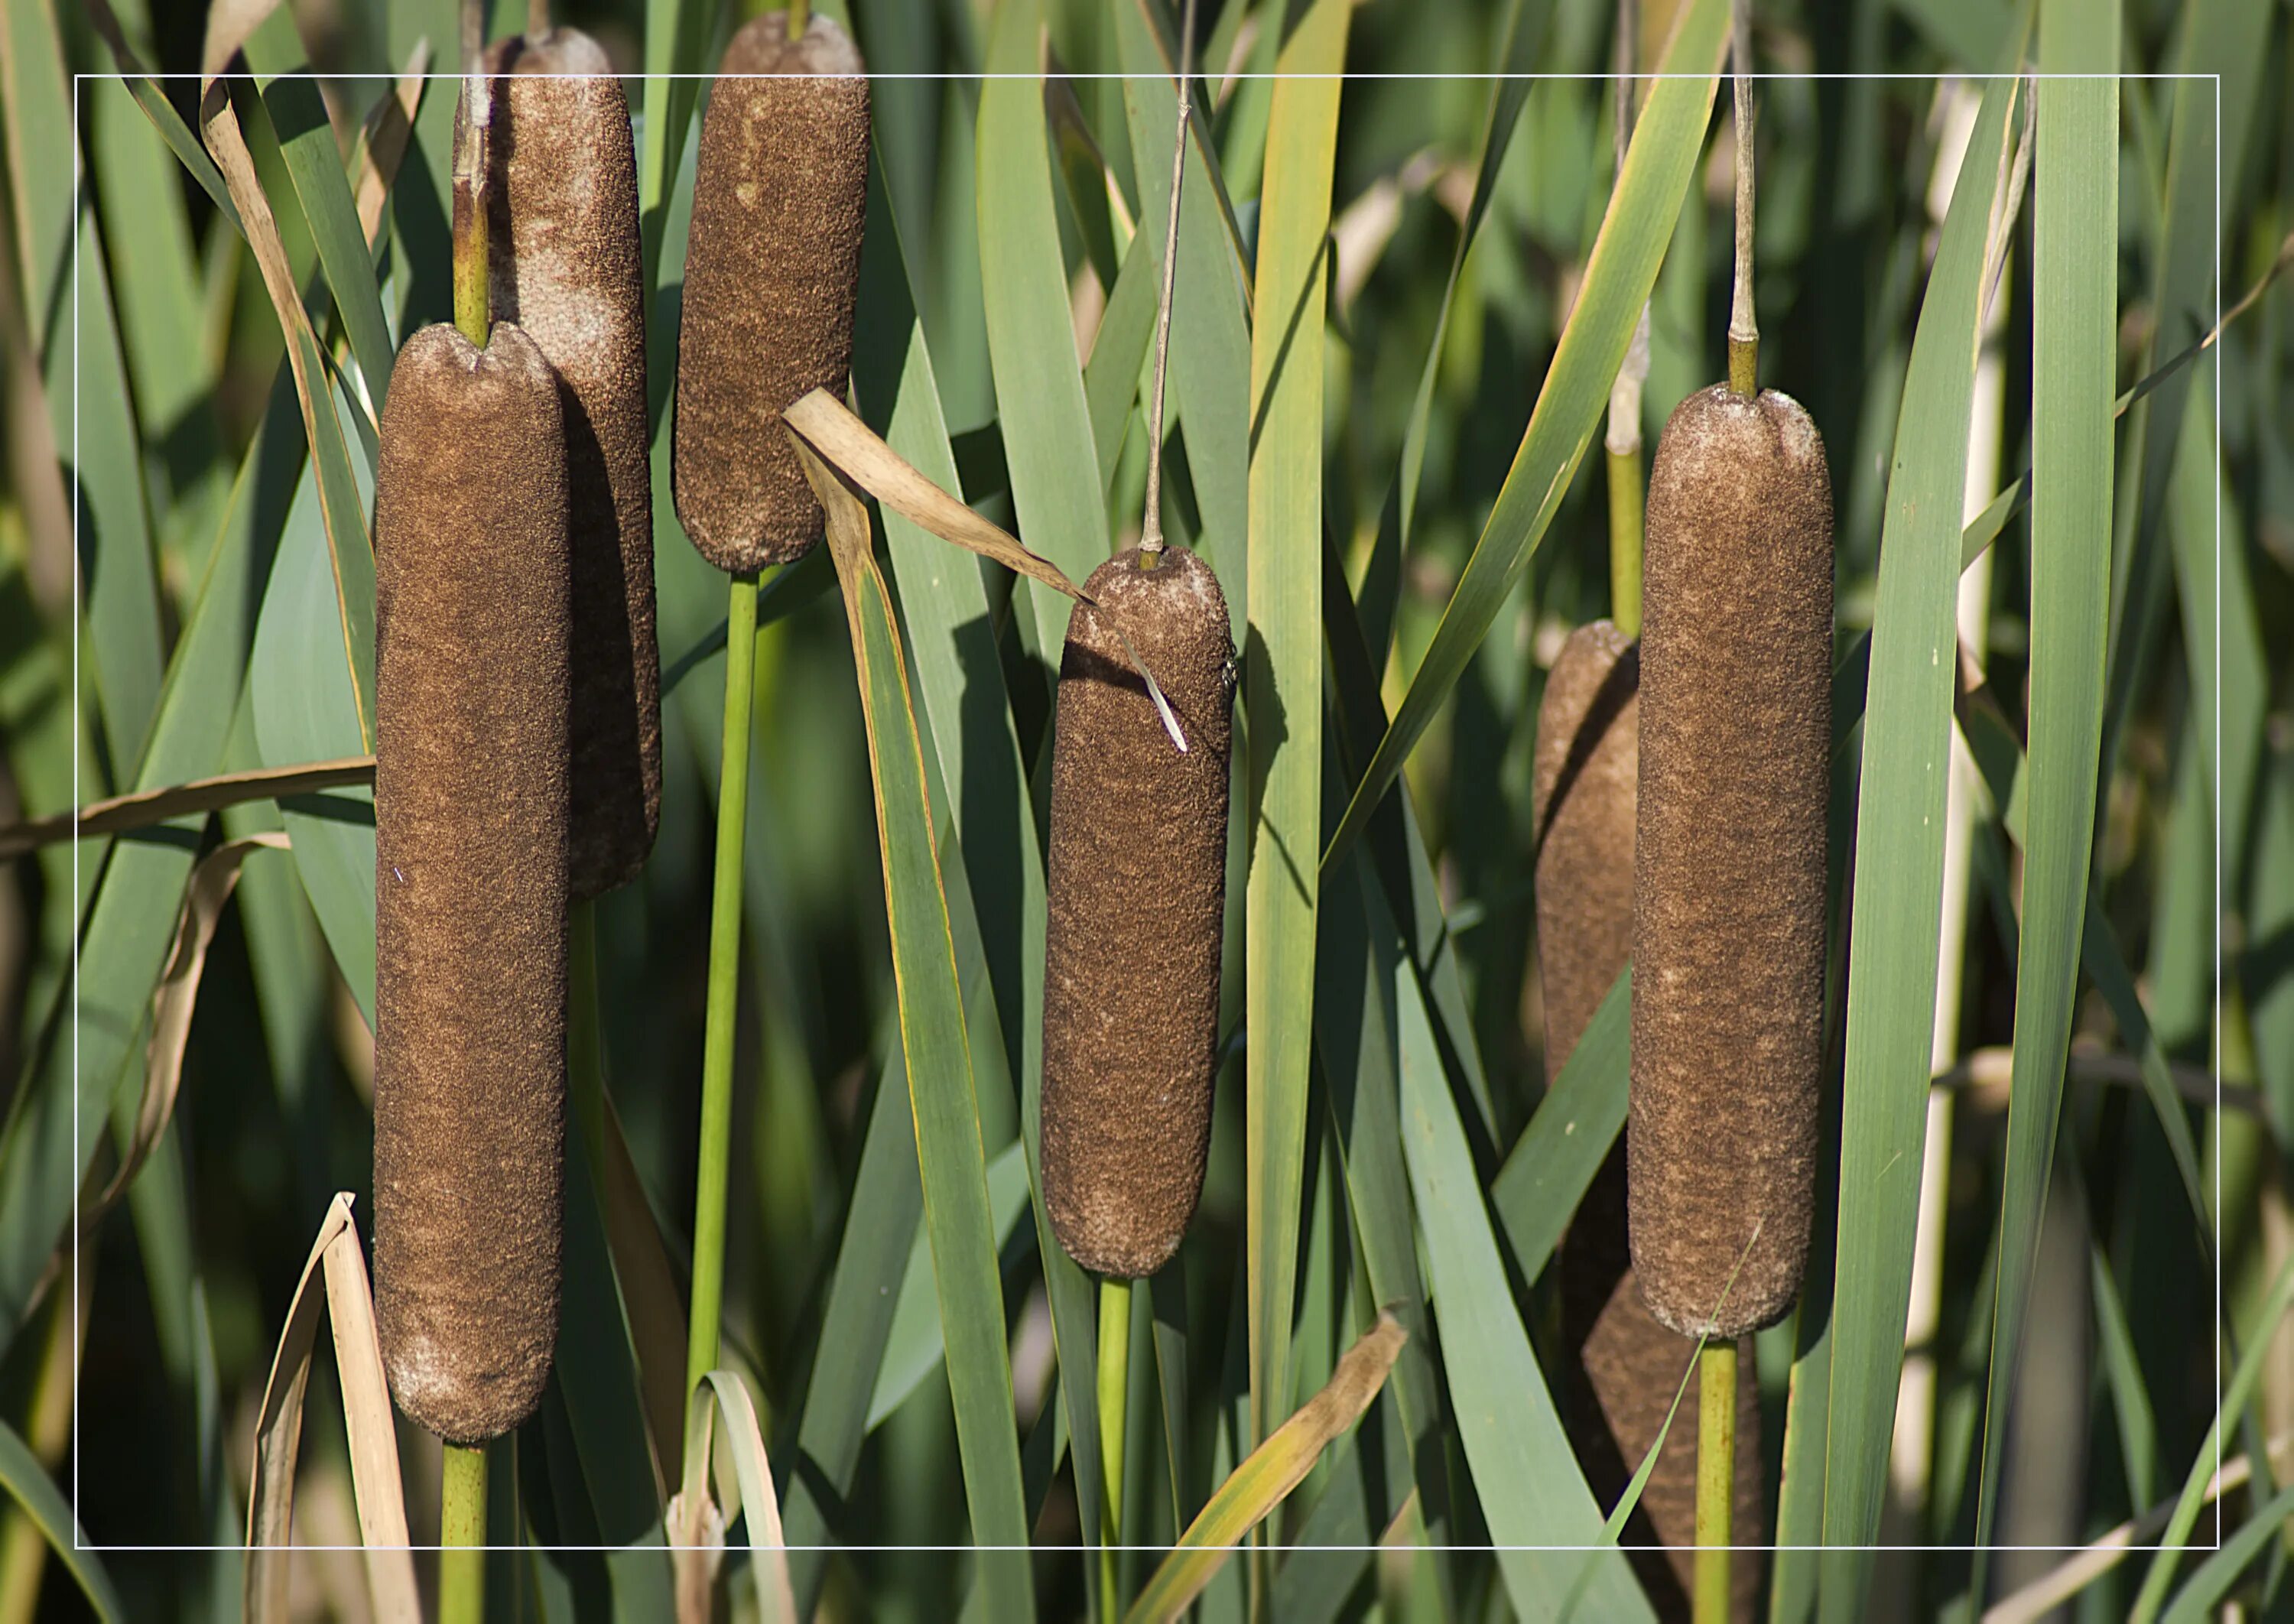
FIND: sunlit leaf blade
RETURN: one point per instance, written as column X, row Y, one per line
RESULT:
column 23, row 1481
column 2073, row 359
column 1542, row 1517
column 1898, row 868
column 950, row 1159
column 1047, row 422
column 1618, row 278
column 1273, row 1469
column 1282, row 664
column 306, row 141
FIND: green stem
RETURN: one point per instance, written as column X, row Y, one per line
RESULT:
column 1114, row 1405
column 1716, row 1477
column 1625, row 540
column 462, row 1535
column 724, row 987
column 800, row 18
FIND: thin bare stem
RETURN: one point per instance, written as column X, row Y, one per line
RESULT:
column 471, row 299
column 537, row 17
column 800, row 19
column 1151, row 524
column 1624, row 441
column 1744, row 331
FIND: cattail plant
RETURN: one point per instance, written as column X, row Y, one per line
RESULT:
column 563, row 263
column 473, row 584
column 1728, row 890
column 471, row 824
column 1137, row 877
column 772, row 269
column 1728, row 877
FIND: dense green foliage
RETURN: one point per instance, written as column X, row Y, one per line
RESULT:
column 1402, row 491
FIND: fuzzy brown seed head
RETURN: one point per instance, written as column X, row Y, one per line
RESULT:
column 1728, row 925
column 1581, row 808
column 1137, row 878
column 563, row 265
column 772, row 268
column 470, row 820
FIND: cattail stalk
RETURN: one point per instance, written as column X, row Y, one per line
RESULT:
column 724, row 994
column 1114, row 1405
column 1716, row 1465
column 772, row 269
column 1716, row 1438
column 1114, row 1373
column 462, row 1535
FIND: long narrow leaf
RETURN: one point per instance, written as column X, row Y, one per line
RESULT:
column 1283, row 675
column 2073, row 357
column 1897, row 882
column 950, row 1159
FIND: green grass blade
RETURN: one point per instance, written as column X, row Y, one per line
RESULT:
column 951, row 1161
column 863, row 1295
column 1126, row 327
column 156, row 285
column 24, row 1482
column 2196, row 1602
column 1039, row 397
column 1532, row 1491
column 1282, row 677
column 1355, row 1028
column 2073, row 360
column 306, row 142
column 2260, row 1337
column 960, row 676
column 94, row 418
column 130, row 925
column 2130, row 1396
column 913, row 1346
column 1618, row 278
column 1899, row 869
column 1552, row 1164
column 44, row 169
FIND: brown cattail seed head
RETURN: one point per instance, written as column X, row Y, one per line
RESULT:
column 470, row 798
column 1627, row 1365
column 1582, row 809
column 780, row 198
column 1137, row 883
column 1729, row 872
column 563, row 265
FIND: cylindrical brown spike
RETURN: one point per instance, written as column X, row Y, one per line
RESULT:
column 470, row 821
column 1137, row 878
column 1728, row 880
column 563, row 265
column 780, row 198
column 1627, row 1365
column 1587, row 761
